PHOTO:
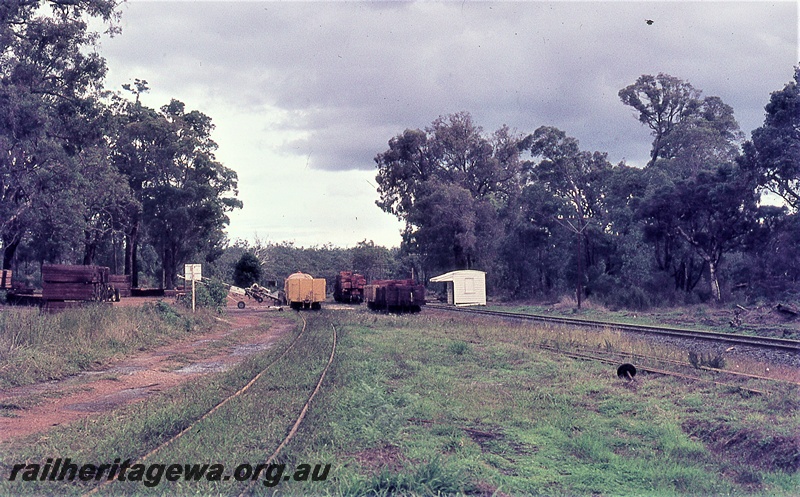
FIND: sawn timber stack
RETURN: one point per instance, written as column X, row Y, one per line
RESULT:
column 69, row 285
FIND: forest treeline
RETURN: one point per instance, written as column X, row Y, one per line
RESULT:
column 96, row 177
column 544, row 218
column 711, row 216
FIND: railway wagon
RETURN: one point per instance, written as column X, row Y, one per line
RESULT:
column 349, row 287
column 303, row 291
column 395, row 295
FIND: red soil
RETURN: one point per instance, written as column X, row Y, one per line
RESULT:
column 37, row 408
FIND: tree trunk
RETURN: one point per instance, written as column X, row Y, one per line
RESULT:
column 579, row 289
column 131, row 249
column 9, row 249
column 170, row 266
column 89, row 249
column 714, row 281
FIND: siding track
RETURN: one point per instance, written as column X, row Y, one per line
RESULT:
column 292, row 431
column 781, row 344
column 732, row 379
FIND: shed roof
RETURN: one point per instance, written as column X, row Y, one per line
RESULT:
column 452, row 275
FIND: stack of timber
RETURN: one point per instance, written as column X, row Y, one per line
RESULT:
column 5, row 279
column 121, row 284
column 65, row 286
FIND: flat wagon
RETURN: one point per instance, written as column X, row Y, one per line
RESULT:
column 395, row 295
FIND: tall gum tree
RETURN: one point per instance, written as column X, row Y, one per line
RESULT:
column 662, row 102
column 774, row 150
column 49, row 78
column 577, row 179
column 702, row 196
column 449, row 183
column 142, row 146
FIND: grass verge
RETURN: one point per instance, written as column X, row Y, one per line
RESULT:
column 424, row 405
column 37, row 346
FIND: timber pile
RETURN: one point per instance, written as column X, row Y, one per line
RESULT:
column 121, row 283
column 5, row 279
column 83, row 283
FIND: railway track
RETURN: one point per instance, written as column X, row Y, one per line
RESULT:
column 655, row 365
column 780, row 344
column 292, row 430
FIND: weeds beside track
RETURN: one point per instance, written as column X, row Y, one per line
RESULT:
column 206, row 420
column 450, row 404
column 747, row 340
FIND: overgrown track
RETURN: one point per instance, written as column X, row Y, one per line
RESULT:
column 654, row 365
column 292, row 431
column 781, row 344
column 301, row 416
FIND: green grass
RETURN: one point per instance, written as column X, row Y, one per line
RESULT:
column 37, row 346
column 478, row 409
column 420, row 406
column 241, row 431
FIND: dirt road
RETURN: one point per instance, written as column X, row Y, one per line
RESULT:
column 36, row 408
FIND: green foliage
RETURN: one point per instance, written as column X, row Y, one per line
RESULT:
column 374, row 262
column 247, row 270
column 663, row 102
column 710, row 360
column 774, row 152
column 458, row 347
column 211, row 293
column 81, row 174
column 448, row 184
column 186, row 197
column 53, row 124
column 38, row 346
column 431, row 478
column 165, row 311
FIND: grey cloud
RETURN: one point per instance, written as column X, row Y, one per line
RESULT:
column 352, row 75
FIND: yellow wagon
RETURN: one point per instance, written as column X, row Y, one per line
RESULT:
column 304, row 291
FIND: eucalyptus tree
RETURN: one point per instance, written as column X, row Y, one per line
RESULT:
column 532, row 262
column 185, row 194
column 717, row 210
column 663, row 102
column 106, row 201
column 372, row 261
column 50, row 77
column 773, row 156
column 577, row 179
column 142, row 145
column 698, row 201
column 187, row 200
column 774, row 151
column 449, row 184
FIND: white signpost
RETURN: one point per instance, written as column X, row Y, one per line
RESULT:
column 194, row 272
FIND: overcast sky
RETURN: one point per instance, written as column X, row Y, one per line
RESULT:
column 304, row 95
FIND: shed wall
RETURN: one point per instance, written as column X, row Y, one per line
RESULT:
column 466, row 287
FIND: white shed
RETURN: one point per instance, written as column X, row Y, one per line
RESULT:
column 465, row 287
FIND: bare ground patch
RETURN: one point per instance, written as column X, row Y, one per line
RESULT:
column 36, row 408
column 748, row 446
